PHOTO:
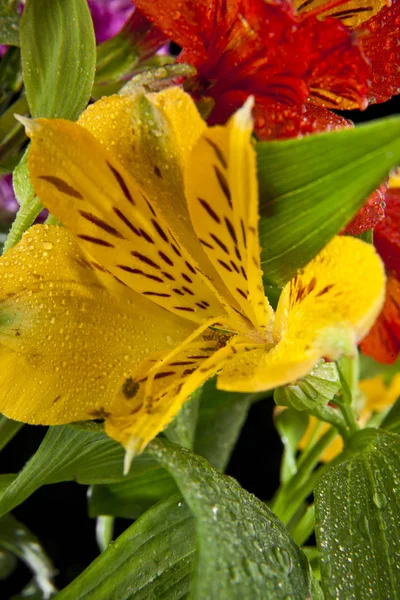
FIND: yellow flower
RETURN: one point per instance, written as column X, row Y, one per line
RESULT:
column 155, row 284
column 377, row 398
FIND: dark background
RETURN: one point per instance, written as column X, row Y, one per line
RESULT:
column 57, row 514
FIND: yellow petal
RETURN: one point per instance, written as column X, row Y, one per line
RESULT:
column 352, row 13
column 379, row 396
column 153, row 137
column 69, row 331
column 222, row 193
column 90, row 191
column 152, row 396
column 332, row 450
column 322, row 313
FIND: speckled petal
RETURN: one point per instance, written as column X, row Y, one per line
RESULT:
column 69, row 331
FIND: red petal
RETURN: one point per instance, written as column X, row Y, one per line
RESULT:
column 383, row 341
column 143, row 35
column 370, row 214
column 338, row 72
column 273, row 120
column 379, row 39
column 387, row 233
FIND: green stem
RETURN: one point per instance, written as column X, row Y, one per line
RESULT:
column 25, row 218
column 348, row 416
column 8, row 429
column 286, row 500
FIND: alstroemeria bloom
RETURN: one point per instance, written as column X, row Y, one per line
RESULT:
column 155, row 284
column 383, row 341
column 378, row 397
column 299, row 59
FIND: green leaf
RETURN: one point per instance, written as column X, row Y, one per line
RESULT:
column 58, row 57
column 291, row 425
column 244, row 551
column 392, row 420
column 370, row 368
column 220, row 420
column 8, row 429
column 69, row 454
column 16, row 538
column 311, row 187
column 152, row 559
column 9, row 23
column 183, row 428
column 148, row 484
column 357, row 516
column 319, row 387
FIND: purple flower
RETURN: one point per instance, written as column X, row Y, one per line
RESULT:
column 109, row 16
column 8, row 203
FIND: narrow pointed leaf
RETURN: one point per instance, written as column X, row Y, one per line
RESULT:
column 87, row 456
column 244, row 551
column 357, row 517
column 57, row 41
column 220, row 420
column 310, row 188
column 16, row 538
column 148, row 484
column 152, row 559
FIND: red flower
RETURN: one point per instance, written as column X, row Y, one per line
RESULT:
column 295, row 64
column 383, row 341
column 299, row 61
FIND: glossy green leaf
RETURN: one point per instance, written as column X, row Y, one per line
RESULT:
column 220, row 420
column 16, row 538
column 370, row 368
column 152, row 559
column 319, row 387
column 57, row 42
column 357, row 515
column 9, row 22
column 8, row 429
column 244, row 551
column 148, row 484
column 311, row 187
column 183, row 428
column 291, row 425
column 69, row 454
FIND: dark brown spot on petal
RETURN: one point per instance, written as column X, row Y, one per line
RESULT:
column 209, row 210
column 242, row 293
column 163, row 374
column 187, row 290
column 130, row 388
column 189, row 266
column 166, row 258
column 139, row 272
column 181, row 363
column 189, row 371
column 220, row 243
column 206, row 244
column 231, row 230
column 226, row 266
column 184, row 308
column 218, row 151
column 243, row 233
column 146, row 236
column 175, row 249
column 234, row 265
column 156, row 294
column 168, row 276
column 160, row 230
column 62, row 186
column 100, row 223
column 145, row 259
column 158, row 172
column 178, row 292
column 122, row 184
column 325, row 289
column 94, row 240
column 223, row 184
column 125, row 220
column 186, row 278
